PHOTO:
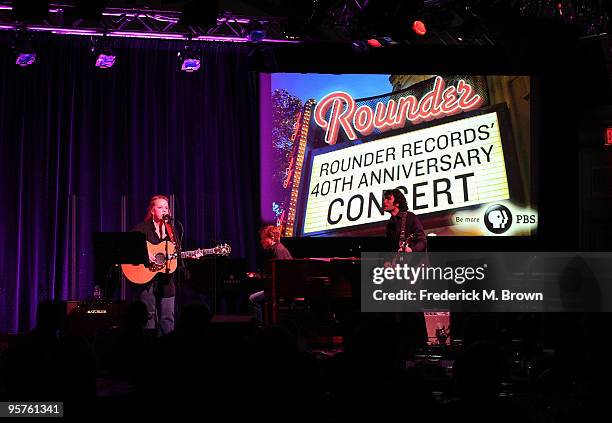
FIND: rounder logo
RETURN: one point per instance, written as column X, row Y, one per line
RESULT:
column 498, row 219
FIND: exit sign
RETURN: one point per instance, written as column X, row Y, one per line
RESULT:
column 609, row 136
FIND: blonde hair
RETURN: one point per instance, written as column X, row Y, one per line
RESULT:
column 152, row 201
column 270, row 231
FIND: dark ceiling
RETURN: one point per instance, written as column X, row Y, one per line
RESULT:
column 454, row 22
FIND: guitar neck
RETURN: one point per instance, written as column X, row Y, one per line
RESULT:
column 197, row 253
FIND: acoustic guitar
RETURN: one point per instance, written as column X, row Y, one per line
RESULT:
column 166, row 263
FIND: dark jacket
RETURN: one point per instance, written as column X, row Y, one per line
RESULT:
column 413, row 226
column 277, row 252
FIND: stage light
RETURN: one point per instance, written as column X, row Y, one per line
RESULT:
column 102, row 50
column 190, row 65
column 373, row 42
column 189, row 58
column 25, row 59
column 359, row 46
column 256, row 35
column 255, row 31
column 387, row 41
column 419, row 28
column 23, row 50
column 105, row 59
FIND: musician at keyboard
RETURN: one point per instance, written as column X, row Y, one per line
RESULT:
column 274, row 249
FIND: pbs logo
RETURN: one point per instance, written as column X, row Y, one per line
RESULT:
column 498, row 219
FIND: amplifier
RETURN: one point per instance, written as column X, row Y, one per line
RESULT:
column 86, row 317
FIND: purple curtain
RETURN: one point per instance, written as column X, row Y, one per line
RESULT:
column 70, row 132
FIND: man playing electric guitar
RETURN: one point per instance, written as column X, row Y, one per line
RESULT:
column 405, row 235
column 404, row 229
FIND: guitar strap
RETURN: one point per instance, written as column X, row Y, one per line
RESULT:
column 169, row 231
column 402, row 237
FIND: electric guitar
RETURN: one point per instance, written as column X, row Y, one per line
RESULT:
column 401, row 251
column 141, row 273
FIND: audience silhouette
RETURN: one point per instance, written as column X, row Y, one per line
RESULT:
column 502, row 372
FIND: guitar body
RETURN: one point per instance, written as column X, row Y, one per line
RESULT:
column 141, row 274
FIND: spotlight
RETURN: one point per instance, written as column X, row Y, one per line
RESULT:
column 105, row 60
column 378, row 42
column 255, row 31
column 101, row 48
column 387, row 41
column 190, row 59
column 190, row 65
column 419, row 28
column 25, row 59
column 256, row 35
column 373, row 42
column 359, row 46
column 23, row 50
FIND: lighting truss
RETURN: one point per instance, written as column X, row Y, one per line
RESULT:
column 149, row 23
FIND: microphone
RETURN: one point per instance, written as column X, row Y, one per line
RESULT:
column 166, row 218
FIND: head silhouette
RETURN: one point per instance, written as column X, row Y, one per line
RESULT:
column 498, row 219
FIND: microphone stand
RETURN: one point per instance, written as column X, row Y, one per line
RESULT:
column 167, row 262
column 177, row 251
